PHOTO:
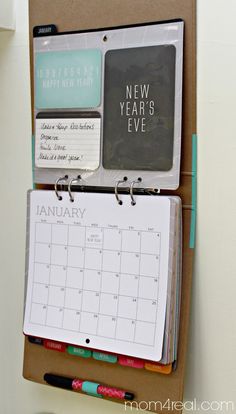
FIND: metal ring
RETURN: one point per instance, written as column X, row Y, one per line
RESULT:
column 73, row 180
column 120, row 202
column 133, row 202
column 56, row 185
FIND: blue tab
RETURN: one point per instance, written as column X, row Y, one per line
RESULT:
column 91, row 388
column 100, row 356
column 194, row 192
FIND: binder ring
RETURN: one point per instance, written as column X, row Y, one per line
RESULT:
column 120, row 202
column 73, row 180
column 56, row 186
column 131, row 190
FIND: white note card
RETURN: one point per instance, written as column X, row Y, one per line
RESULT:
column 68, row 143
column 98, row 271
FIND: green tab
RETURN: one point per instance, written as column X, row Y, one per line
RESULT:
column 100, row 356
column 74, row 350
column 91, row 388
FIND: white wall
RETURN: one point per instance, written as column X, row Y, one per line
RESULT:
column 211, row 357
column 7, row 14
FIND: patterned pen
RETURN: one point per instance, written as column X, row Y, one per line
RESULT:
column 77, row 384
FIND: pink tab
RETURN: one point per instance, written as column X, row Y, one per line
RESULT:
column 56, row 346
column 131, row 362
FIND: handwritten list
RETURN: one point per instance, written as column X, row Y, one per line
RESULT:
column 68, row 143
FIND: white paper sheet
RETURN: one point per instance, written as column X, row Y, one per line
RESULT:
column 98, row 271
column 68, row 143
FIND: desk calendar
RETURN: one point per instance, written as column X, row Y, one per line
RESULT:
column 98, row 271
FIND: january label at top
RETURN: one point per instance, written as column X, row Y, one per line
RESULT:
column 68, row 79
column 139, row 106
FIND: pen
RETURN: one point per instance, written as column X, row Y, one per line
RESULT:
column 77, row 384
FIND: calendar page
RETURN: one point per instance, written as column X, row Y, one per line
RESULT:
column 98, row 271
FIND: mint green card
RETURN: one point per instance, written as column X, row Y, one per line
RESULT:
column 68, row 79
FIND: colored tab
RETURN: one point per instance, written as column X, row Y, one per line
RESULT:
column 131, row 362
column 194, row 192
column 100, row 356
column 54, row 345
column 47, row 30
column 34, row 340
column 156, row 367
column 91, row 388
column 81, row 352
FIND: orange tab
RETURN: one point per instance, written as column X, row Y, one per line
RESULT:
column 155, row 367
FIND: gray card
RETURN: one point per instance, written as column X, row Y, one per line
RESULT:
column 139, row 104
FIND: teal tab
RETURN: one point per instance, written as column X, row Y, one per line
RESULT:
column 81, row 352
column 68, row 79
column 194, row 192
column 100, row 356
column 91, row 388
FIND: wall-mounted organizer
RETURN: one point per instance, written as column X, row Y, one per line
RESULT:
column 107, row 42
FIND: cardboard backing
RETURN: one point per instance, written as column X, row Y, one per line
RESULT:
column 71, row 15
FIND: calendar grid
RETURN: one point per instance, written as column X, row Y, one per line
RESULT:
column 90, row 290
column 66, row 279
column 104, row 271
column 95, row 248
column 92, row 313
column 33, row 274
column 100, row 284
column 136, row 317
column 82, row 290
column 115, row 333
column 100, row 281
column 49, row 274
column 159, row 263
